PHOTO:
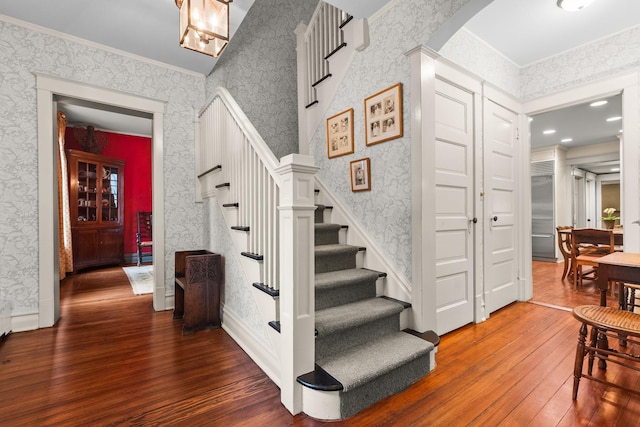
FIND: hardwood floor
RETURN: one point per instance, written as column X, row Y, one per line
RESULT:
column 112, row 360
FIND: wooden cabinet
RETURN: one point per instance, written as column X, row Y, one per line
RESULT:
column 96, row 190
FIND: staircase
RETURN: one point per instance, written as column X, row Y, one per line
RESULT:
column 362, row 355
column 308, row 277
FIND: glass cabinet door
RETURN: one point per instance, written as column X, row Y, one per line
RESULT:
column 87, row 192
column 109, row 201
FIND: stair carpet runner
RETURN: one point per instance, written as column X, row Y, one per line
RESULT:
column 359, row 343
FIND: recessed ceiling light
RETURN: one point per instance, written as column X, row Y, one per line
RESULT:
column 598, row 103
column 549, row 131
column 573, row 5
column 566, row 140
column 614, row 119
column 620, row 131
column 615, row 169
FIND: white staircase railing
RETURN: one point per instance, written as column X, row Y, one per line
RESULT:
column 325, row 48
column 275, row 205
column 324, row 36
column 249, row 164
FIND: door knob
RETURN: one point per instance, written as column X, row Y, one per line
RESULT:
column 472, row 220
column 495, row 218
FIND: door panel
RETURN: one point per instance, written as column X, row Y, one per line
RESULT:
column 454, row 206
column 500, row 137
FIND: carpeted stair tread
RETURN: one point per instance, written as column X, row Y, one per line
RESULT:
column 376, row 358
column 327, row 226
column 344, row 286
column 337, row 279
column 335, row 257
column 326, row 234
column 341, row 249
column 340, row 318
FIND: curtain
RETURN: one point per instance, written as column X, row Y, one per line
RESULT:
column 64, row 217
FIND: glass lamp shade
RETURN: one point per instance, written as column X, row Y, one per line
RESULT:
column 573, row 5
column 204, row 25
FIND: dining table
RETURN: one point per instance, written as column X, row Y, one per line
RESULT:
column 620, row 268
column 618, row 235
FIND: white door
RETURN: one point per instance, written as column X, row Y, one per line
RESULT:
column 579, row 206
column 590, row 202
column 500, row 138
column 454, row 206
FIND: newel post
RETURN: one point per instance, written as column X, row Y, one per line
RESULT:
column 297, row 269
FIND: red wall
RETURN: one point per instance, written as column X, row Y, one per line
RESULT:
column 136, row 151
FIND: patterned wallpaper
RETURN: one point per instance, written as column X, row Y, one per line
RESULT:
column 24, row 51
column 259, row 69
column 385, row 211
column 597, row 60
column 467, row 50
column 237, row 295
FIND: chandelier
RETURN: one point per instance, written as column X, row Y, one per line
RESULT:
column 204, row 25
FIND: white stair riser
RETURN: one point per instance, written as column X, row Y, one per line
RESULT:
column 323, row 405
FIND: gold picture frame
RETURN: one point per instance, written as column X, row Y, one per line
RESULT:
column 360, row 172
column 383, row 115
column 340, row 134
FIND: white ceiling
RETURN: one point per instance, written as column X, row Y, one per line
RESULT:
column 528, row 31
column 525, row 31
column 147, row 28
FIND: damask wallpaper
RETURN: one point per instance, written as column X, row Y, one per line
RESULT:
column 385, row 211
column 237, row 296
column 597, row 60
column 24, row 51
column 259, row 69
column 474, row 55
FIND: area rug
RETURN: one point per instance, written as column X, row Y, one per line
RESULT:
column 141, row 279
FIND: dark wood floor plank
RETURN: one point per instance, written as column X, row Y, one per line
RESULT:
column 527, row 387
column 112, row 360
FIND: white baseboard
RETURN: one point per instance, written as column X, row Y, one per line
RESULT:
column 27, row 321
column 261, row 355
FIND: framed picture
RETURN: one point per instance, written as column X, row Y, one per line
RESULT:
column 340, row 134
column 383, row 115
column 360, row 175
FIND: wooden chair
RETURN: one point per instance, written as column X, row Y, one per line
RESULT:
column 564, row 243
column 605, row 323
column 144, row 236
column 587, row 245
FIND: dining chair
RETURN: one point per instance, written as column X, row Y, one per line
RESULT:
column 587, row 245
column 144, row 235
column 564, row 244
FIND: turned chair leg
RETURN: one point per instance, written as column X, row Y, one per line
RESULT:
column 603, row 343
column 593, row 343
column 577, row 368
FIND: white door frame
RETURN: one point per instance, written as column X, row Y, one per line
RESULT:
column 48, row 262
column 627, row 84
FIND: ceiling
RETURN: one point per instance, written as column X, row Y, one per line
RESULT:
column 525, row 31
